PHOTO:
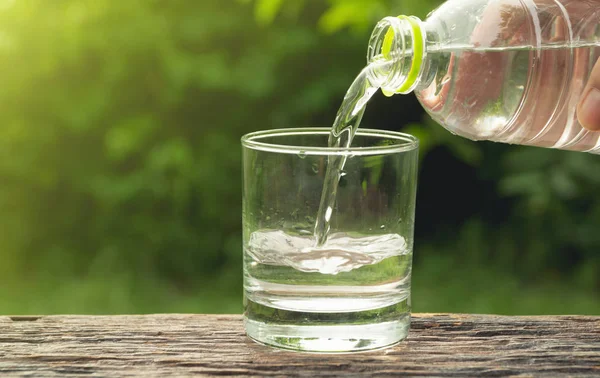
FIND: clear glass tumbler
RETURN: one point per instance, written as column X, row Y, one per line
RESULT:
column 351, row 293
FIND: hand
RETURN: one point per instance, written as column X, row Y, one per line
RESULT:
column 588, row 111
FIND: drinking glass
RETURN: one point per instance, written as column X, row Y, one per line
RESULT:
column 352, row 292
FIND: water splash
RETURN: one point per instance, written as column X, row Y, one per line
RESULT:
column 341, row 252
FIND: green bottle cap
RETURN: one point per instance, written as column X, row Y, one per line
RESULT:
column 417, row 59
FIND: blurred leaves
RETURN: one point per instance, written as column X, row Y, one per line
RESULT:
column 358, row 14
column 266, row 10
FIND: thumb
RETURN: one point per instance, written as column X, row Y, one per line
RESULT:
column 588, row 110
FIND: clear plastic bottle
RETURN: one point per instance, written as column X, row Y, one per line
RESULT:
column 508, row 71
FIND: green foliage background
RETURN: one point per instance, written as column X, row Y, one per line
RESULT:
column 120, row 161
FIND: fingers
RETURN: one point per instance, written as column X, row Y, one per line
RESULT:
column 588, row 111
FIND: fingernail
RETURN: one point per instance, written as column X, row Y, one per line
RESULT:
column 589, row 113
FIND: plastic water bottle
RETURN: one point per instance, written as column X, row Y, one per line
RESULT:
column 508, row 71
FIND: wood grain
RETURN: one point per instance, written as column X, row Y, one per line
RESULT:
column 444, row 345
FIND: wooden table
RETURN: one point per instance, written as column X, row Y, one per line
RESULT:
column 160, row 345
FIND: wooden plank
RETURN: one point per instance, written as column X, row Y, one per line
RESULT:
column 439, row 345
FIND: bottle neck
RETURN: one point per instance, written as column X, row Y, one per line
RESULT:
column 396, row 54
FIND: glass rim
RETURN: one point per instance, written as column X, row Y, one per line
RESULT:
column 406, row 143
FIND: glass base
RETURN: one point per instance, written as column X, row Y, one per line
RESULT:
column 310, row 334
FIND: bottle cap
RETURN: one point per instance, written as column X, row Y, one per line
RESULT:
column 417, row 53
